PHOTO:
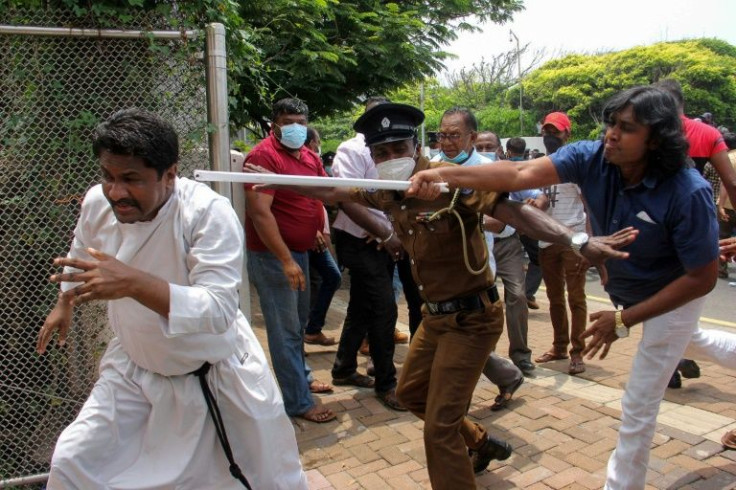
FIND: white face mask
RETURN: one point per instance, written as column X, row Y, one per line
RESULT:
column 396, row 169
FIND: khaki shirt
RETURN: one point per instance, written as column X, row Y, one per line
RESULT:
column 435, row 247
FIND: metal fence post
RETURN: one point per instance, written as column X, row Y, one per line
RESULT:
column 217, row 114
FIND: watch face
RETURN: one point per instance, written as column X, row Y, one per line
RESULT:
column 579, row 239
column 622, row 332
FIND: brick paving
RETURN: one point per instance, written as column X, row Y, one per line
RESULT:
column 562, row 428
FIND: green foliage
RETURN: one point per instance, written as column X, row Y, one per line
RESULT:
column 332, row 53
column 580, row 84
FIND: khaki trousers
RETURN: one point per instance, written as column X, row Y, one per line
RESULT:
column 445, row 360
column 560, row 267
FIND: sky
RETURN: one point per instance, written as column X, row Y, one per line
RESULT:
column 588, row 26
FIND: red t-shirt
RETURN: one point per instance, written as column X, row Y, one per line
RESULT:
column 298, row 217
column 705, row 141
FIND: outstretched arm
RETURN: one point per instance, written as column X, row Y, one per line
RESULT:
column 501, row 177
column 532, row 222
column 329, row 195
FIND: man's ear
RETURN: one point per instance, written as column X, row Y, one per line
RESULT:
column 170, row 173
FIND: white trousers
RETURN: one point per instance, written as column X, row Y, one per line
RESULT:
column 665, row 340
column 141, row 430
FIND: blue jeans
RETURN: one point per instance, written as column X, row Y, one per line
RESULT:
column 285, row 314
column 331, row 278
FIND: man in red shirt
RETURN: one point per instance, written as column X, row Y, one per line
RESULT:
column 706, row 142
column 280, row 228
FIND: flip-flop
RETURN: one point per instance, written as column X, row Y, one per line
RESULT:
column 729, row 439
column 318, row 414
column 505, row 394
column 319, row 387
column 550, row 356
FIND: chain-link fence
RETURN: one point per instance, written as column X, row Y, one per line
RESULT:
column 53, row 92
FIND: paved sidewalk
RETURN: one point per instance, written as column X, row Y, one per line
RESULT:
column 562, row 428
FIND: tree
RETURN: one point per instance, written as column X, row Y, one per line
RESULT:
column 580, row 84
column 486, row 82
column 334, row 53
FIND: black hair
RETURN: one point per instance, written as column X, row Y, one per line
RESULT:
column 138, row 133
column 730, row 139
column 468, row 116
column 657, row 109
column 673, row 87
column 516, row 145
column 311, row 135
column 371, row 102
column 289, row 106
column 498, row 140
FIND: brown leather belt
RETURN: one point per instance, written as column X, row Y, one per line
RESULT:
column 466, row 303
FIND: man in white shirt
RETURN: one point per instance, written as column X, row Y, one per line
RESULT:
column 166, row 253
column 561, row 266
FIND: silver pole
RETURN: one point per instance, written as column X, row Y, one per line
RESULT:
column 99, row 33
column 521, row 94
column 24, row 480
column 421, row 107
column 217, row 113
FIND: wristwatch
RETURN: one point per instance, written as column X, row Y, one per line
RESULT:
column 621, row 330
column 579, row 240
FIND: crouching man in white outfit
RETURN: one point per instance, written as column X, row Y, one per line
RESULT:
column 166, row 254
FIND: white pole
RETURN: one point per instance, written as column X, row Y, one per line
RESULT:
column 303, row 180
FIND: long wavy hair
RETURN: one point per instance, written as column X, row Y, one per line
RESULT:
column 657, row 109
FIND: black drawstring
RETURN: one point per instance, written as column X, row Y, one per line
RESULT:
column 214, row 410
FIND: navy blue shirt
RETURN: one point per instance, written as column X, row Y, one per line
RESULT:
column 675, row 217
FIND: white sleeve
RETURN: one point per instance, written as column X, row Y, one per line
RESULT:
column 209, row 304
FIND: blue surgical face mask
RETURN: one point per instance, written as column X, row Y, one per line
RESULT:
column 293, row 135
column 459, row 158
column 492, row 155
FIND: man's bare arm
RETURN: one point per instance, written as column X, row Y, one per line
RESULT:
column 536, row 224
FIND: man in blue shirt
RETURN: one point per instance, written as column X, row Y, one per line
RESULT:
column 636, row 176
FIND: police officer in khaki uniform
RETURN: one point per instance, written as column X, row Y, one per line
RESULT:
column 462, row 314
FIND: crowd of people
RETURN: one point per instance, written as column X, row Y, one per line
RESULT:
column 185, row 382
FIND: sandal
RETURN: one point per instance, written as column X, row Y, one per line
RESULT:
column 355, row 379
column 318, row 414
column 319, row 339
column 505, row 394
column 577, row 366
column 729, row 439
column 389, row 399
column 319, row 387
column 550, row 356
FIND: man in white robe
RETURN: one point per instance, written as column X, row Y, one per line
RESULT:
column 166, row 253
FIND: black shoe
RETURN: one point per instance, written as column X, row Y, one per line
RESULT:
column 491, row 449
column 688, row 368
column 526, row 366
column 675, row 381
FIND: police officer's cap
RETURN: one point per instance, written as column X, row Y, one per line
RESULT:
column 385, row 123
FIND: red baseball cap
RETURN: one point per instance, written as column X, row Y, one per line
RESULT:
column 558, row 120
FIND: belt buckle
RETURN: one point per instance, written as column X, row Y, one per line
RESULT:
column 447, row 307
